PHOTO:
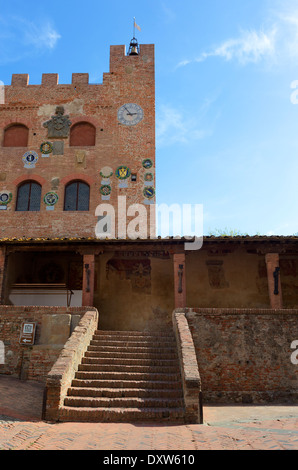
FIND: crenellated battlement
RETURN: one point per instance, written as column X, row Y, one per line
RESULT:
column 49, row 79
column 118, row 60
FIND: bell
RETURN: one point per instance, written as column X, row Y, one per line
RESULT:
column 134, row 47
column 134, row 50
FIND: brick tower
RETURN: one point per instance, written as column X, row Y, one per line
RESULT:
column 66, row 149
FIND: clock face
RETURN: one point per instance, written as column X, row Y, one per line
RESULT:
column 130, row 114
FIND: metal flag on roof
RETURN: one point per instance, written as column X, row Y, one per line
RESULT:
column 136, row 26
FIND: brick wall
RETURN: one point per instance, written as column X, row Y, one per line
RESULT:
column 33, row 362
column 61, row 375
column 191, row 381
column 244, row 355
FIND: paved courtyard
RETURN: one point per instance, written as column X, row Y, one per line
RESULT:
column 225, row 428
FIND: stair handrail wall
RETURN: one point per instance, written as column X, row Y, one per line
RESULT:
column 191, row 380
column 62, row 373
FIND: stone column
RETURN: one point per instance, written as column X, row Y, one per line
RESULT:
column 274, row 284
column 179, row 280
column 88, row 280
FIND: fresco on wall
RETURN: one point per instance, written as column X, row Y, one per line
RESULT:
column 216, row 274
column 138, row 271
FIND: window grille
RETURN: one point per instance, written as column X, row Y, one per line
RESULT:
column 29, row 197
column 77, row 195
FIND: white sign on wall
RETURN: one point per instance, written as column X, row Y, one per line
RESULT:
column 28, row 333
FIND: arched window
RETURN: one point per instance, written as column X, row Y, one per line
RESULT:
column 77, row 194
column 16, row 135
column 29, row 196
column 82, row 134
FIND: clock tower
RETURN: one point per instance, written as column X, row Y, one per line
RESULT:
column 68, row 149
column 135, row 124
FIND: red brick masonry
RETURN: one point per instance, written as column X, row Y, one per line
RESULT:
column 191, row 380
column 62, row 373
column 29, row 362
column 244, row 355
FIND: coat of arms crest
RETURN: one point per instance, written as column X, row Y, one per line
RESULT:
column 59, row 125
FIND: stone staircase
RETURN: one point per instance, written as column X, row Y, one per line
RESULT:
column 125, row 377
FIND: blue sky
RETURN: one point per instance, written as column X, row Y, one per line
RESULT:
column 227, row 117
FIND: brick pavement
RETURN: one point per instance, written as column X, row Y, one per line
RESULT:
column 225, row 428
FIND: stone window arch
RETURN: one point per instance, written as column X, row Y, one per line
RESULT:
column 16, row 135
column 29, row 197
column 77, row 196
column 82, row 134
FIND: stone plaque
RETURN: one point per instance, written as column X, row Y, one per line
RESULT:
column 55, row 329
column 59, row 125
column 55, row 183
column 58, row 148
column 80, row 157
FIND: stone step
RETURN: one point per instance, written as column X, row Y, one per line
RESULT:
column 123, row 402
column 125, row 384
column 127, row 376
column 116, row 355
column 127, row 368
column 131, row 349
column 101, row 415
column 132, row 344
column 120, row 361
column 139, row 338
column 124, row 392
column 151, row 334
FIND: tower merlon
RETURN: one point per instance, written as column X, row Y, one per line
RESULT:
column 20, row 79
column 50, row 79
column 80, row 78
column 119, row 57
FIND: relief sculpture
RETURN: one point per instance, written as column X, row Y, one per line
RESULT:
column 59, row 125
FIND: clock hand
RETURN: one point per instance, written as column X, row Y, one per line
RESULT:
column 127, row 111
column 131, row 114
